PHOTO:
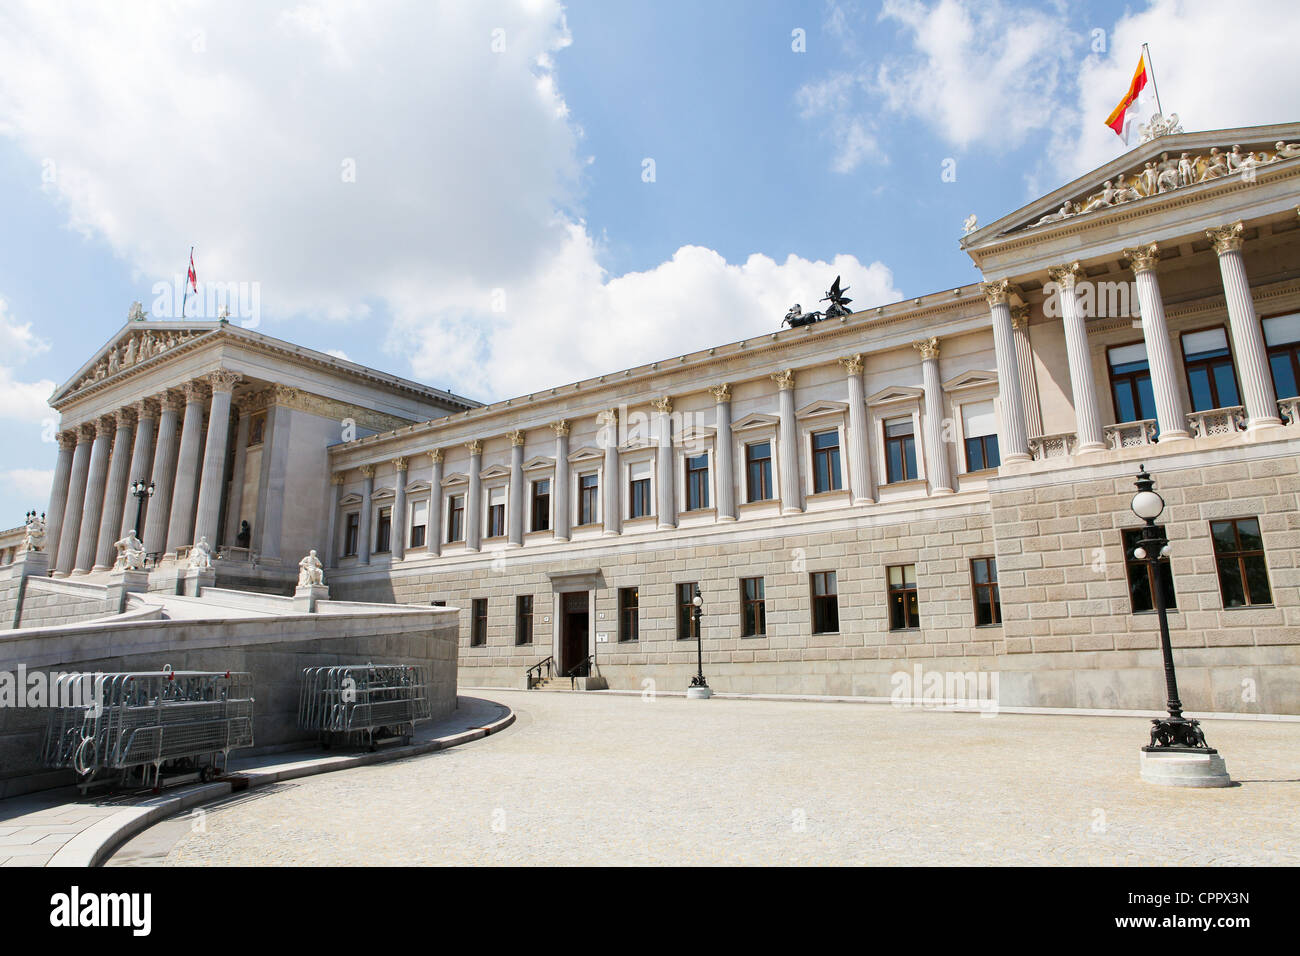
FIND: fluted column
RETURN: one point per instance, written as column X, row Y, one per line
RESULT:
column 791, row 494
column 70, row 533
column 1170, row 414
column 608, row 439
column 474, row 499
column 433, row 537
column 235, row 503
column 560, row 497
column 180, row 527
column 723, row 459
column 146, row 414
column 860, row 486
column 1013, row 442
column 164, row 476
column 1025, row 366
column 59, row 495
column 96, row 485
column 332, row 531
column 1247, row 336
column 110, row 521
column 936, row 450
column 1083, row 385
column 666, row 501
column 363, row 525
column 516, row 527
column 397, row 529
column 207, row 523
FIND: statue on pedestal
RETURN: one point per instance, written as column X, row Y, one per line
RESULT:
column 201, row 555
column 130, row 553
column 34, row 535
column 310, row 571
column 245, row 536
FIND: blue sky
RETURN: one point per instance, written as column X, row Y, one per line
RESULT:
column 498, row 233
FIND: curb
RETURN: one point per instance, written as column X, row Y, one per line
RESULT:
column 96, row 843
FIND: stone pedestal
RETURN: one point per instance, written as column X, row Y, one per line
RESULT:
column 122, row 583
column 306, row 596
column 190, row 580
column 1184, row 768
column 32, row 564
column 699, row 693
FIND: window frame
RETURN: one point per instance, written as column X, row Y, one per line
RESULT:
column 543, row 501
column 1131, row 379
column 456, row 518
column 588, row 496
column 351, row 533
column 833, row 457
column 758, row 603
column 478, row 622
column 818, row 603
column 412, row 527
column 1132, row 566
column 384, row 529
column 684, row 603
column 1289, row 349
column 1241, row 554
column 1208, row 365
column 695, row 485
column 910, row 622
column 524, row 611
column 903, row 440
column 990, row 586
column 629, row 615
column 766, row 472
column 640, row 498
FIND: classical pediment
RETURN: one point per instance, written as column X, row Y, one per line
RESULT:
column 895, row 393
column 974, row 378
column 494, row 471
column 586, row 452
column 137, row 344
column 822, row 408
column 538, row 463
column 754, row 420
column 455, row 478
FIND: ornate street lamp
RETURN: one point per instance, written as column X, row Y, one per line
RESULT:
column 142, row 493
column 699, row 686
column 1178, row 754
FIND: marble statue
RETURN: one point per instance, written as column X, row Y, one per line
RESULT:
column 1159, row 126
column 130, row 553
column 1215, row 167
column 310, row 571
column 970, row 225
column 201, row 555
column 128, row 353
column 1186, row 170
column 1107, row 197
column 137, row 313
column 1285, row 151
column 34, row 533
column 1067, row 210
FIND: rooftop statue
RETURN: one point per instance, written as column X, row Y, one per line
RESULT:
column 34, row 534
column 839, row 302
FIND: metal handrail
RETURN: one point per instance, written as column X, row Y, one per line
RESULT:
column 580, row 669
column 536, row 678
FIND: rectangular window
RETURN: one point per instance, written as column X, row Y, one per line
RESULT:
column 478, row 632
column 542, row 505
column 697, row 482
column 524, row 619
column 384, row 531
column 758, row 471
column 419, row 523
column 496, row 512
column 638, row 498
column 753, row 611
column 984, row 588
column 900, row 450
column 455, row 518
column 904, row 610
column 1239, row 554
column 980, row 433
column 685, row 611
column 1141, row 582
column 351, row 534
column 1282, row 338
column 588, row 496
column 256, row 428
column 1211, row 381
column 825, row 602
column 1130, row 383
column 629, row 628
column 826, row 461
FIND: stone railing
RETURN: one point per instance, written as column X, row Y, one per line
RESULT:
column 228, row 552
column 1289, row 409
column 1217, row 421
column 1131, row 434
column 1052, row 446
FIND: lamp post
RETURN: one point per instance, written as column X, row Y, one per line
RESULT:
column 699, row 688
column 142, row 493
column 1177, row 754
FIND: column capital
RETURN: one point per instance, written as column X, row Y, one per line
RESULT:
column 399, row 463
column 997, row 292
column 663, row 404
column 516, row 437
column 169, row 401
column 852, row 363
column 721, row 392
column 105, row 425
column 1227, row 238
column 475, row 446
column 1143, row 258
column 223, row 380
column 282, row 395
column 784, row 379
column 929, row 348
column 194, row 391
column 67, row 439
column 367, row 471
column 1066, row 276
column 1019, row 316
column 86, row 432
column 607, row 418
column 125, row 416
column 146, row 408
column 337, row 478
column 561, row 427
column 435, row 455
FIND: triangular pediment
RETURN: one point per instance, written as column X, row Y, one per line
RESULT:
column 417, row 486
column 494, row 471
column 895, row 393
column 455, row 478
column 137, row 344
column 972, row 378
column 538, row 463
column 754, row 420
column 694, row 435
column 586, row 452
column 815, row 409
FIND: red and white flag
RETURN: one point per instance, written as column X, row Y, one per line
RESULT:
column 1122, row 117
column 192, row 278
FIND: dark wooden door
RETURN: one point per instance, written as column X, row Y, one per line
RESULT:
column 575, row 630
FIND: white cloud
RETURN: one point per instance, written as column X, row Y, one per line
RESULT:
column 21, row 401
column 30, row 486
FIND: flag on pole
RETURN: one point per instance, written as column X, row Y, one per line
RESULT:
column 192, row 277
column 1121, row 118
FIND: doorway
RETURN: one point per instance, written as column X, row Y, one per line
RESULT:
column 575, row 624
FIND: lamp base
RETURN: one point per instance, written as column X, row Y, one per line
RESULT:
column 1170, row 767
column 699, row 693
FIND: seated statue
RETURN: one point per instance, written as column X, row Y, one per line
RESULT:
column 130, row 553
column 245, row 535
column 34, row 535
column 310, row 571
column 201, row 555
column 1285, row 151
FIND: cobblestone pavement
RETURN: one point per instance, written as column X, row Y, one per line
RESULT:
column 589, row 778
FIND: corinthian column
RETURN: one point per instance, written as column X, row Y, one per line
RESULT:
column 608, row 439
column 1025, row 366
column 936, row 451
column 1247, row 337
column 791, row 495
column 93, row 508
column 110, row 522
column 70, row 533
column 1013, row 441
column 859, row 459
column 363, row 525
column 516, row 527
column 397, row 524
column 474, row 499
column 560, row 496
column 180, row 528
column 332, row 532
column 141, row 459
column 208, row 522
column 1083, row 386
column 433, row 537
column 164, row 476
column 59, row 495
column 667, row 501
column 722, row 454
column 1170, row 415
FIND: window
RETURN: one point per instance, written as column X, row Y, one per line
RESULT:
column 753, row 612
column 825, row 602
column 980, row 433
column 455, row 518
column 1239, row 554
column 496, row 513
column 697, row 482
column 628, row 604
column 826, row 461
column 984, row 587
column 685, row 611
column 542, row 505
column 1211, row 381
column 351, row 534
column 1282, row 337
column 638, row 497
column 1141, row 582
column 1130, row 383
column 384, row 531
column 588, row 488
column 758, row 471
column 900, row 450
column 904, row 611
column 524, row 619
column 256, row 428
column 419, row 523
column 478, row 632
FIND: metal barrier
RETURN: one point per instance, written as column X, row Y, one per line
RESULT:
column 365, row 701
column 131, row 721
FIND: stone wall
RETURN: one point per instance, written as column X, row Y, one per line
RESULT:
column 52, row 603
column 11, row 583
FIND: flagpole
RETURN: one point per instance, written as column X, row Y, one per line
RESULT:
column 185, row 298
column 1146, row 51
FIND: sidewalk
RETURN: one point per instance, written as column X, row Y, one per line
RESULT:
column 61, row 828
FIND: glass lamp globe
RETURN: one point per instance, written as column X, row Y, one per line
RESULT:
column 1140, row 553
column 697, row 601
column 1147, row 505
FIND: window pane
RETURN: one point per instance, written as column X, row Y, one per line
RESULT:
column 1226, row 384
column 1257, row 580
column 1248, row 534
column 1230, row 583
column 1225, row 537
column 1284, row 380
column 981, row 571
column 909, row 451
column 992, row 456
column 897, row 612
column 1199, row 383
column 1147, row 397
